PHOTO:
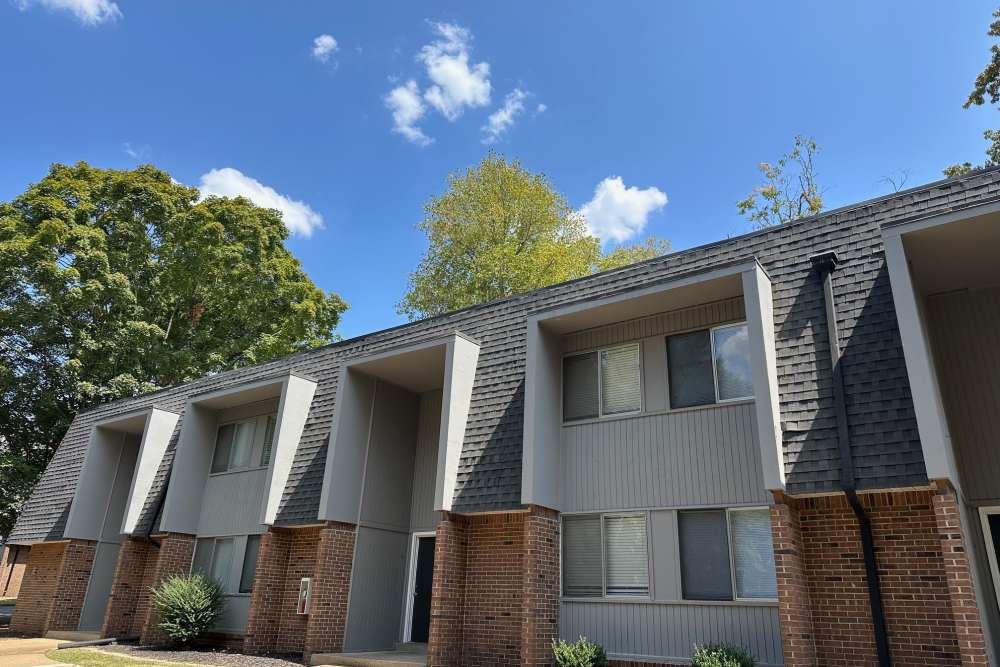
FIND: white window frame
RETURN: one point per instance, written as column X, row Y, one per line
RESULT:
column 411, row 582
column 600, row 391
column 732, row 552
column 984, row 519
column 256, row 445
column 604, row 558
column 715, row 372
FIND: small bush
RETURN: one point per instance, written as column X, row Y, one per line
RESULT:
column 581, row 653
column 187, row 607
column 720, row 655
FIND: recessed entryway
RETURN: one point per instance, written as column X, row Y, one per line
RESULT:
column 421, row 579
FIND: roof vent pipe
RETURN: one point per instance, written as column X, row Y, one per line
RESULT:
column 825, row 264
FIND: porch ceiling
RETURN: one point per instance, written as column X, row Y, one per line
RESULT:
column 957, row 255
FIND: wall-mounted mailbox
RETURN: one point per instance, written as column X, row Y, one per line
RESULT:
column 305, row 595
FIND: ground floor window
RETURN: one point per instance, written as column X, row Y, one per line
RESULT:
column 605, row 555
column 726, row 554
column 230, row 560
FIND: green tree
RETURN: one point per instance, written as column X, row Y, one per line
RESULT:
column 789, row 191
column 987, row 85
column 501, row 230
column 115, row 283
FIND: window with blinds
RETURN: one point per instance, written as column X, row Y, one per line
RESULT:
column 602, row 383
column 249, row 569
column 244, row 444
column 581, row 572
column 626, row 555
column 731, row 354
column 753, row 554
column 620, row 383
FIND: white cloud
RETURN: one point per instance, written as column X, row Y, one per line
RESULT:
column 407, row 110
column 324, row 46
column 135, row 152
column 617, row 213
column 454, row 84
column 88, row 12
column 541, row 108
column 228, row 182
column 503, row 118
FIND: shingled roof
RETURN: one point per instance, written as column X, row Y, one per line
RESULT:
column 884, row 440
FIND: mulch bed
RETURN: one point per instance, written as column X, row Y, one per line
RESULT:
column 206, row 656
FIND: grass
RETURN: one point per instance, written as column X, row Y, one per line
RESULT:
column 88, row 658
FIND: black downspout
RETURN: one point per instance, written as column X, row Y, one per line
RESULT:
column 825, row 264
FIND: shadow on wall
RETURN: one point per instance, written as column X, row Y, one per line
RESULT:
column 882, row 423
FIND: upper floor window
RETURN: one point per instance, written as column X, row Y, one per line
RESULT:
column 244, row 444
column 602, row 383
column 709, row 366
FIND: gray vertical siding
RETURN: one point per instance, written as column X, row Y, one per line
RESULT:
column 233, row 503
column 695, row 317
column 703, row 456
column 376, row 599
column 389, row 468
column 99, row 587
column 963, row 327
column 670, row 631
column 422, row 514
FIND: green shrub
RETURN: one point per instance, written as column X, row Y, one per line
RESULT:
column 581, row 653
column 187, row 607
column 720, row 655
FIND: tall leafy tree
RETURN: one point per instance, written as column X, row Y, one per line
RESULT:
column 987, row 85
column 114, row 283
column 501, row 230
column 790, row 189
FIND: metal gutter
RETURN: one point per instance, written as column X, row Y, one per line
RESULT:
column 825, row 264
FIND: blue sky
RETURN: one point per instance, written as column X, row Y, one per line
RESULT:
column 655, row 113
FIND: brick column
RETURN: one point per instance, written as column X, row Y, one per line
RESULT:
column 794, row 604
column 444, row 647
column 958, row 574
column 331, row 585
column 34, row 602
column 71, row 586
column 176, row 552
column 127, row 587
column 541, row 586
column 264, row 620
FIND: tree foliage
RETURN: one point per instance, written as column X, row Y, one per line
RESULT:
column 987, row 85
column 115, row 283
column 501, row 230
column 789, row 191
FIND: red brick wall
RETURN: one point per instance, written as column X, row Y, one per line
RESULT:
column 821, row 571
column 71, row 587
column 15, row 560
column 541, row 586
column 331, row 585
column 136, row 561
column 495, row 599
column 34, row 603
column 286, row 556
column 448, row 593
column 174, row 558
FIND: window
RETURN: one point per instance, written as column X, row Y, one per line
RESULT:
column 704, row 547
column 753, row 554
column 605, row 555
column 725, row 551
column 602, row 383
column 228, row 560
column 249, row 564
column 222, row 562
column 244, row 444
column 709, row 366
column 627, row 558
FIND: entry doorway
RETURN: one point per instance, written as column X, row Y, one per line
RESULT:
column 421, row 580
